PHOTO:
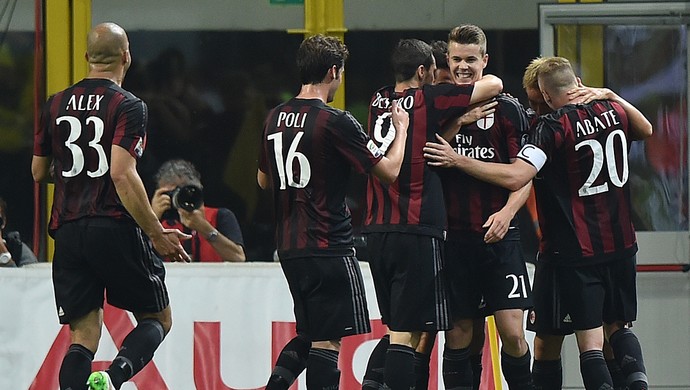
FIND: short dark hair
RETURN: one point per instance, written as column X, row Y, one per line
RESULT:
column 440, row 50
column 172, row 170
column 317, row 54
column 407, row 55
column 468, row 34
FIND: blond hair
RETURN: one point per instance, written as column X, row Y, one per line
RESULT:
column 556, row 75
column 530, row 78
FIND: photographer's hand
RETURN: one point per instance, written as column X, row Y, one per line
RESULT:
column 195, row 220
column 161, row 202
column 227, row 249
column 4, row 249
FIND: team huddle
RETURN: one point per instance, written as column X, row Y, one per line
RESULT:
column 450, row 161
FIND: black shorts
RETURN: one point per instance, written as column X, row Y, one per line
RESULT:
column 93, row 255
column 409, row 281
column 600, row 293
column 549, row 315
column 329, row 296
column 484, row 278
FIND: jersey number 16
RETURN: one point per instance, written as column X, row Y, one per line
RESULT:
column 284, row 166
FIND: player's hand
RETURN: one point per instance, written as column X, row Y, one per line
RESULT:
column 161, row 201
column 400, row 118
column 440, row 154
column 584, row 95
column 498, row 224
column 168, row 245
column 477, row 112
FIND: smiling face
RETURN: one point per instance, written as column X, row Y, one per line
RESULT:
column 466, row 62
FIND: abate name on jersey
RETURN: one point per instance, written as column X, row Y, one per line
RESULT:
column 603, row 121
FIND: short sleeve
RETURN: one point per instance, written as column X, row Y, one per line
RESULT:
column 42, row 135
column 130, row 126
column 354, row 143
column 227, row 225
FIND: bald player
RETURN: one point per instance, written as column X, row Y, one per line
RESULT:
column 88, row 142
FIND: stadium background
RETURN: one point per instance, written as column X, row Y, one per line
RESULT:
column 210, row 70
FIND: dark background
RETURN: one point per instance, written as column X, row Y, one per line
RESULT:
column 208, row 93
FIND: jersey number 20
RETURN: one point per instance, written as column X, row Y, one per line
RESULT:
column 606, row 157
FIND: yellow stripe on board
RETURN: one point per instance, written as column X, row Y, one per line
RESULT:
column 66, row 24
column 81, row 25
column 495, row 354
column 325, row 17
column 583, row 45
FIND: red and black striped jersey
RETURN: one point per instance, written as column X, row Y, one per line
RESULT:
column 583, row 197
column 78, row 128
column 308, row 150
column 494, row 138
column 414, row 202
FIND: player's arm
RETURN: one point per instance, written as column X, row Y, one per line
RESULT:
column 41, row 162
column 132, row 193
column 498, row 223
column 262, row 179
column 388, row 168
column 40, row 168
column 486, row 88
column 512, row 176
column 640, row 126
column 476, row 112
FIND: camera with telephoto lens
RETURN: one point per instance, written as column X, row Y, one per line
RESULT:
column 189, row 197
column 13, row 242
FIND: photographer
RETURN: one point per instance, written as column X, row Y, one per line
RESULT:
column 178, row 203
column 13, row 252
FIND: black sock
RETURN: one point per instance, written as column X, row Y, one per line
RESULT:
column 399, row 373
column 628, row 353
column 421, row 371
column 547, row 374
column 322, row 369
column 476, row 364
column 75, row 368
column 457, row 371
column 595, row 374
column 373, row 376
column 616, row 374
column 516, row 370
column 136, row 351
column 290, row 363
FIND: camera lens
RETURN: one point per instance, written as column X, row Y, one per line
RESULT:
column 189, row 197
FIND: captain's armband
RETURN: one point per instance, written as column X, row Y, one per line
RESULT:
column 533, row 155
